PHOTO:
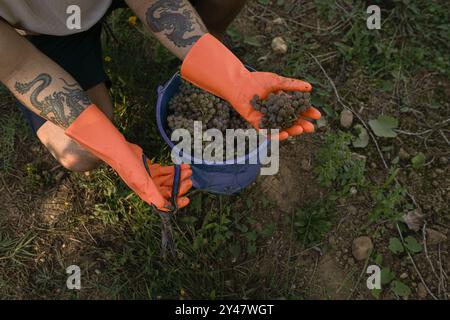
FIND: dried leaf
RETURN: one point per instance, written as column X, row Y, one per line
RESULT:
column 414, row 220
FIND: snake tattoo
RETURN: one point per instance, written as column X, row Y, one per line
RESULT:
column 172, row 17
column 60, row 107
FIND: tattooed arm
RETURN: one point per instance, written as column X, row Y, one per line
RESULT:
column 38, row 82
column 174, row 22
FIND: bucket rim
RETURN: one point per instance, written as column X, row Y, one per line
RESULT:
column 192, row 159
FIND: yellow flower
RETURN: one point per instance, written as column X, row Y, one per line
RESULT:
column 108, row 59
column 132, row 20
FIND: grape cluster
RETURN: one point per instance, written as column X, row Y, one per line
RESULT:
column 282, row 109
column 193, row 104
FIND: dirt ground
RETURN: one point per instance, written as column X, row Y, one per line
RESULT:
column 51, row 218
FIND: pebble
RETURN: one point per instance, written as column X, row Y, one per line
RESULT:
column 421, row 291
column 403, row 154
column 279, row 21
column 435, row 237
column 362, row 247
column 279, row 45
column 346, row 118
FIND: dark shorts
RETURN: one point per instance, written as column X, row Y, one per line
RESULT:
column 79, row 54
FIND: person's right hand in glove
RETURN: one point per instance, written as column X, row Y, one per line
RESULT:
column 212, row 67
column 94, row 131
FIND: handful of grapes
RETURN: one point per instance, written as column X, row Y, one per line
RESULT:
column 281, row 110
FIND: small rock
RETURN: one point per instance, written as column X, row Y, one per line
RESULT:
column 404, row 275
column 403, row 154
column 362, row 247
column 435, row 237
column 421, row 291
column 360, row 157
column 279, row 45
column 346, row 118
column 353, row 191
column 279, row 21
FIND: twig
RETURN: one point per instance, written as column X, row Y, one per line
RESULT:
column 359, row 278
column 426, row 249
column 442, row 272
column 339, row 99
column 414, row 264
column 90, row 235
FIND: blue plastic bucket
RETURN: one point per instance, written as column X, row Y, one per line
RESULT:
column 228, row 177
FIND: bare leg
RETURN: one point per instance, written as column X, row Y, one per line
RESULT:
column 218, row 14
column 67, row 152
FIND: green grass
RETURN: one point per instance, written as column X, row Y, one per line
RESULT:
column 222, row 242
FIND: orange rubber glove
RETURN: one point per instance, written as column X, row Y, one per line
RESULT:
column 212, row 67
column 95, row 132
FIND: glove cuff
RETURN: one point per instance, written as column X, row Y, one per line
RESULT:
column 212, row 67
column 95, row 132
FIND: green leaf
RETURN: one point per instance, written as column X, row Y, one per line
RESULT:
column 264, row 2
column 386, row 275
column 395, row 245
column 418, row 161
column 376, row 293
column 379, row 259
column 252, row 41
column 400, row 289
column 269, row 229
column 412, row 245
column 383, row 126
column 362, row 139
column 234, row 34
